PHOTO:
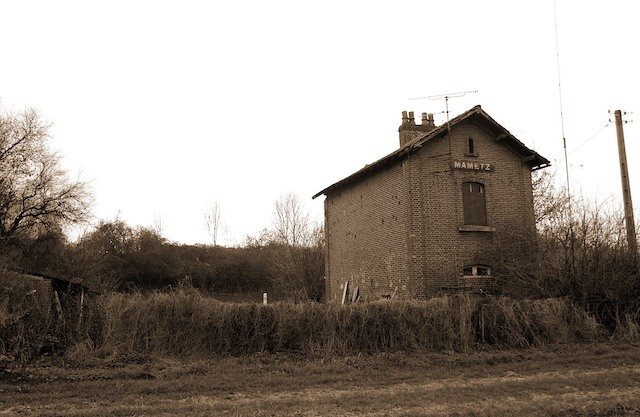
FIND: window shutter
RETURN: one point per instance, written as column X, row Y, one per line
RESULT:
column 474, row 203
column 467, row 202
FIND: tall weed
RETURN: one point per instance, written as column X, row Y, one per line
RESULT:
column 186, row 323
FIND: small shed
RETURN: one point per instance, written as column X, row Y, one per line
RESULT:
column 51, row 298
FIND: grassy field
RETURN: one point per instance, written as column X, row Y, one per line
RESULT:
column 570, row 380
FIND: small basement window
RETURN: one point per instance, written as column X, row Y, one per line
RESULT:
column 471, row 271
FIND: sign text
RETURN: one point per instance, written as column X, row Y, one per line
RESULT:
column 473, row 165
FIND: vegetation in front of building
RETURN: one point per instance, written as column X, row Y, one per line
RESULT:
column 575, row 281
column 186, row 323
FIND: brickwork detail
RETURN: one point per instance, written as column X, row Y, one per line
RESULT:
column 398, row 229
column 366, row 242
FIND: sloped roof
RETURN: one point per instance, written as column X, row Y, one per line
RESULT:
column 476, row 114
column 60, row 281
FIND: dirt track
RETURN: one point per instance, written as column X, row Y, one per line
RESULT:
column 572, row 381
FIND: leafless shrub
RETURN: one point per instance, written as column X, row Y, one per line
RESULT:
column 26, row 317
column 580, row 254
column 627, row 329
column 299, row 263
column 186, row 323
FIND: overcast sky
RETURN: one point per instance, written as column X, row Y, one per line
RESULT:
column 167, row 106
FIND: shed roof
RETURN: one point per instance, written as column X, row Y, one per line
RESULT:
column 475, row 114
column 59, row 281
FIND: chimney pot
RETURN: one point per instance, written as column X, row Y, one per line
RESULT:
column 425, row 119
column 412, row 118
column 430, row 116
column 405, row 118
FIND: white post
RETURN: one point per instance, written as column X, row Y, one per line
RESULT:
column 345, row 293
column 264, row 298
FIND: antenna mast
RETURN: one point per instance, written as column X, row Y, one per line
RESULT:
column 446, row 98
column 564, row 139
column 564, row 142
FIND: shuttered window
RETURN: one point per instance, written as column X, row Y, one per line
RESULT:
column 475, row 207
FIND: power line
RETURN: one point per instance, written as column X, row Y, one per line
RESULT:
column 591, row 137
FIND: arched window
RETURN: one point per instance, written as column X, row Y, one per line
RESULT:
column 475, row 206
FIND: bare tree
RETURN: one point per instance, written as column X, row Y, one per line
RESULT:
column 550, row 202
column 299, row 265
column 36, row 195
column 158, row 224
column 291, row 221
column 213, row 222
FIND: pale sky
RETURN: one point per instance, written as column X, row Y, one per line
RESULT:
column 168, row 106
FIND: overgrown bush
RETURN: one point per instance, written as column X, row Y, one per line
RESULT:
column 186, row 323
column 580, row 252
column 297, row 265
column 26, row 323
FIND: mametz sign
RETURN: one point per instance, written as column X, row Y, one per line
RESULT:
column 473, row 165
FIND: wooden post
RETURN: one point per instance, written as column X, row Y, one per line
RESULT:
column 59, row 308
column 626, row 189
column 345, row 293
column 482, row 320
column 81, row 308
column 355, row 297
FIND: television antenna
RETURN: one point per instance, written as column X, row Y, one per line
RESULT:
column 446, row 98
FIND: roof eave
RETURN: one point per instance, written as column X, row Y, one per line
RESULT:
column 388, row 159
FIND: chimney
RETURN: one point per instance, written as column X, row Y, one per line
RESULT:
column 409, row 130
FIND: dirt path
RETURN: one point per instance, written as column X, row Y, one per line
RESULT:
column 572, row 381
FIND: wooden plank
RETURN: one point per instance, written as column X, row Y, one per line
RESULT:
column 81, row 308
column 355, row 297
column 56, row 298
column 345, row 292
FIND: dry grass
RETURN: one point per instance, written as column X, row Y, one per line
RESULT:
column 627, row 330
column 585, row 380
column 187, row 323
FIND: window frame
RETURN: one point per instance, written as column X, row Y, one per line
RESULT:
column 471, row 148
column 474, row 208
column 474, row 271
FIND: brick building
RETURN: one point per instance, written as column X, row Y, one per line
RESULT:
column 419, row 221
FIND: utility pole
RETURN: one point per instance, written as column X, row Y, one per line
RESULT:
column 626, row 189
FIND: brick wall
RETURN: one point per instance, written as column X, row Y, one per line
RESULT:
column 399, row 227
column 366, row 244
column 508, row 195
